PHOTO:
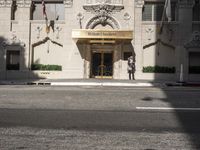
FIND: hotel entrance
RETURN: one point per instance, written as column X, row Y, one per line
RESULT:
column 102, row 65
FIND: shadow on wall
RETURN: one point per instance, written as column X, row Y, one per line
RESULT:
column 168, row 56
column 13, row 64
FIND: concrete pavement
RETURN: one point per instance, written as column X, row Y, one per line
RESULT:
column 86, row 82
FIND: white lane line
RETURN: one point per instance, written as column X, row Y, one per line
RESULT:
column 167, row 108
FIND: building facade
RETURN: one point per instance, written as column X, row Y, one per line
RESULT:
column 94, row 38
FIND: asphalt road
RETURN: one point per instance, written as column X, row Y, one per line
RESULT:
column 98, row 111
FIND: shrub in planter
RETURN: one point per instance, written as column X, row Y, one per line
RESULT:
column 158, row 69
column 194, row 69
column 46, row 67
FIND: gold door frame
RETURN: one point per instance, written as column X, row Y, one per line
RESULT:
column 102, row 66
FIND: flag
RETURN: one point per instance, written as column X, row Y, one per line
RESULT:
column 45, row 16
column 166, row 14
column 44, row 10
column 168, row 11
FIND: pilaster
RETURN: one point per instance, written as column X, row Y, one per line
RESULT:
column 22, row 30
column 138, row 37
column 184, row 32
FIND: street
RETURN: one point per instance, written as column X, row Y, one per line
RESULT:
column 88, row 117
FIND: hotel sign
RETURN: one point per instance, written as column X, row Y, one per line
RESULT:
column 102, row 34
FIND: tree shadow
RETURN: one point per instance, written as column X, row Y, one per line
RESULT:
column 14, row 65
column 170, row 50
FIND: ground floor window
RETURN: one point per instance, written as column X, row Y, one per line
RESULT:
column 12, row 60
column 194, row 63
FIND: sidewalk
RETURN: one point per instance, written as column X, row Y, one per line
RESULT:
column 84, row 82
column 97, row 82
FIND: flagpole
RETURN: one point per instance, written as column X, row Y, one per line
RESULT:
column 163, row 17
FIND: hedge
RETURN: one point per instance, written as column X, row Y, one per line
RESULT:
column 46, row 67
column 194, row 69
column 158, row 69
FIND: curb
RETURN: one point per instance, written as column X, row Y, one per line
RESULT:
column 100, row 84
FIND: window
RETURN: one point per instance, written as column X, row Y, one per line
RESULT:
column 154, row 11
column 12, row 60
column 54, row 10
column 196, row 11
column 13, row 10
column 127, row 55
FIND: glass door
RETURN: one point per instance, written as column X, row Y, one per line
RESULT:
column 102, row 65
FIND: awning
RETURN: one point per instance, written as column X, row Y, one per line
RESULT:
column 102, row 36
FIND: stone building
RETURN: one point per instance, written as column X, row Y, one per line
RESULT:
column 94, row 38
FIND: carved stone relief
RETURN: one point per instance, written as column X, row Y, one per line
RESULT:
column 5, row 3
column 23, row 3
column 13, row 40
column 95, row 21
column 127, row 17
column 68, row 3
column 102, row 9
column 139, row 3
column 149, row 31
column 195, row 40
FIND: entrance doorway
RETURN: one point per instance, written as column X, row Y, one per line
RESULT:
column 102, row 65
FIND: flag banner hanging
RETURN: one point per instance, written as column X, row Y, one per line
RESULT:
column 45, row 16
column 166, row 14
column 168, row 11
column 44, row 10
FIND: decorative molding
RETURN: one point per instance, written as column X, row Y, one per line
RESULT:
column 103, row 9
column 68, row 3
column 80, row 18
column 6, row 3
column 96, row 20
column 38, row 30
column 24, row 3
column 149, row 31
column 195, row 40
column 13, row 41
column 127, row 17
column 139, row 3
column 58, row 29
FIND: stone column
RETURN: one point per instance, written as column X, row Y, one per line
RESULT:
column 184, row 33
column 138, row 38
column 87, row 61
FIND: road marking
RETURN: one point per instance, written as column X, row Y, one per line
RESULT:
column 167, row 108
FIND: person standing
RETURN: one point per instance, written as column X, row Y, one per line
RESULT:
column 131, row 68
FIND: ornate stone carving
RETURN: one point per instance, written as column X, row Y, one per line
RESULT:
column 149, row 31
column 102, row 10
column 13, row 40
column 68, row 3
column 58, row 29
column 195, row 41
column 5, row 3
column 127, row 17
column 38, row 30
column 96, row 20
column 80, row 18
column 139, row 3
column 24, row 3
